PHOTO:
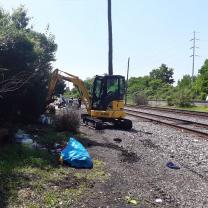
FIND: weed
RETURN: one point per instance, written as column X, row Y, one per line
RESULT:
column 68, row 121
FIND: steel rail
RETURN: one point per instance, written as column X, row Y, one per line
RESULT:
column 138, row 114
column 172, row 110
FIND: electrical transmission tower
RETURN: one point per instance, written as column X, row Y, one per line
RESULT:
column 193, row 48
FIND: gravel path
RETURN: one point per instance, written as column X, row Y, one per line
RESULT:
column 136, row 165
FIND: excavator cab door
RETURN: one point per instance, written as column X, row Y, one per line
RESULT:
column 107, row 89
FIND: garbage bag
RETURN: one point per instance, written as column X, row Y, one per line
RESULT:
column 76, row 155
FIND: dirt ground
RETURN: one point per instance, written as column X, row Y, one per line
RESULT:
column 135, row 163
column 130, row 170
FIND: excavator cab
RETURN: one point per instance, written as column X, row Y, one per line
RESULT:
column 107, row 89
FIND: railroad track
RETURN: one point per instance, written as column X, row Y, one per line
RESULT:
column 172, row 110
column 191, row 126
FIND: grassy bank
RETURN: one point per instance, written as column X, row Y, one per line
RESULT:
column 33, row 178
column 195, row 108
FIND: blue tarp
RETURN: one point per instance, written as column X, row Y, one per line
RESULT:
column 76, row 155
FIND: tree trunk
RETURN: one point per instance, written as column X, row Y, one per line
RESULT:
column 110, row 52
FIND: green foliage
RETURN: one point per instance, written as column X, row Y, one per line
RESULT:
column 163, row 73
column 183, row 98
column 151, row 87
column 20, row 18
column 185, row 82
column 88, row 83
column 60, row 87
column 74, row 91
column 158, row 86
column 201, row 83
column 24, row 51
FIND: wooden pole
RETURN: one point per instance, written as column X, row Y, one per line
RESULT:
column 127, row 79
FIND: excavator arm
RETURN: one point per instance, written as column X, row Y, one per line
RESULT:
column 61, row 75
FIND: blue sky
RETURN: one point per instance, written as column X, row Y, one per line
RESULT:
column 150, row 32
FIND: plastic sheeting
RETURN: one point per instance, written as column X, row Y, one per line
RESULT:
column 76, row 155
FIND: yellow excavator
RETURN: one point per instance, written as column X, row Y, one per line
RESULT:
column 104, row 105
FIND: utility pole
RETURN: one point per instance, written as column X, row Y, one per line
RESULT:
column 193, row 48
column 110, row 41
column 127, row 79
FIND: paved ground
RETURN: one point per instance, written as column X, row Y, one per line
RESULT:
column 136, row 161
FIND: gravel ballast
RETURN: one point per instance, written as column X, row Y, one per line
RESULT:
column 135, row 162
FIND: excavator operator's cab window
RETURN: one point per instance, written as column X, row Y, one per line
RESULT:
column 98, row 89
column 107, row 89
column 112, row 86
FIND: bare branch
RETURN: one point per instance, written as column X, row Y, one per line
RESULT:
column 15, row 82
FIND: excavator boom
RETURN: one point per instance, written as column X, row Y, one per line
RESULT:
column 61, row 75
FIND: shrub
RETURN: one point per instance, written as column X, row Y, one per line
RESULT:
column 68, row 121
column 184, row 98
column 140, row 98
column 170, row 101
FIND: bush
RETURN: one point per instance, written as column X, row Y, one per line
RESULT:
column 68, row 121
column 170, row 101
column 140, row 98
column 184, row 98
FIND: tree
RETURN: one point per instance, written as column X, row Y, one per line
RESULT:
column 20, row 18
column 201, row 83
column 88, row 83
column 24, row 51
column 163, row 73
column 110, row 40
column 60, row 87
column 185, row 82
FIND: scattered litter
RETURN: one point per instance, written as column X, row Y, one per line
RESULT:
column 76, row 155
column 58, row 148
column 117, row 140
column 131, row 201
column 22, row 137
column 20, row 131
column 172, row 165
column 56, row 145
column 158, row 200
column 25, row 139
column 35, row 145
column 45, row 120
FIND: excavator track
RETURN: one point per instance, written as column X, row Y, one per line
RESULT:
column 93, row 122
column 99, row 124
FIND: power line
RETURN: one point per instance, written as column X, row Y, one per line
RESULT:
column 193, row 48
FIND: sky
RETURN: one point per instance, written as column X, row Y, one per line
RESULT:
column 150, row 32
